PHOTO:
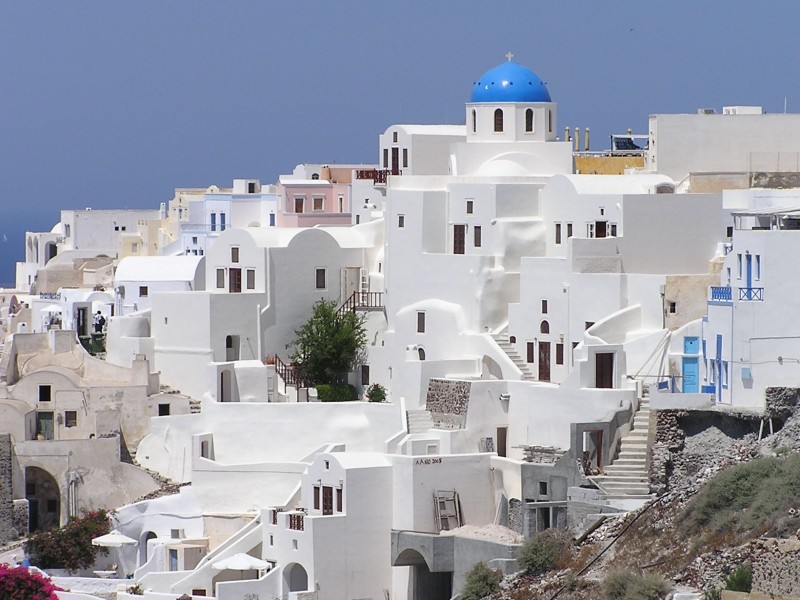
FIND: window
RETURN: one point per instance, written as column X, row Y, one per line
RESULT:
column 544, row 327
column 401, row 221
column 45, row 393
column 550, row 121
column 316, row 497
column 758, row 266
column 318, row 203
column 364, row 374
column 143, row 291
column 498, row 120
column 213, row 221
column 222, row 221
column 163, row 410
column 235, row 280
column 474, row 121
column 251, row 187
column 569, row 230
column 234, row 254
column 271, row 539
column 67, row 230
column 420, row 322
column 70, row 418
column 613, row 230
column 358, row 219
column 394, row 137
column 529, row 349
column 405, row 157
column 728, row 232
column 590, row 230
column 220, row 278
column 543, row 488
column 116, row 227
column 469, row 207
column 385, row 158
column 298, row 204
column 251, row 279
column 673, row 308
column 544, row 307
column 272, row 219
column 320, row 279
column 529, row 120
column 559, row 354
column 558, row 233
column 739, row 265
column 341, row 204
column 339, row 500
column 421, row 353
column 477, row 234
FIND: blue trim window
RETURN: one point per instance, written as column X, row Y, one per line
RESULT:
column 724, row 374
column 213, row 221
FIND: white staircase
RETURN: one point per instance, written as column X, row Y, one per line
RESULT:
column 501, row 339
column 626, row 477
column 419, row 421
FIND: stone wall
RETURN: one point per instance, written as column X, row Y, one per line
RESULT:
column 7, row 529
column 448, row 400
column 516, row 516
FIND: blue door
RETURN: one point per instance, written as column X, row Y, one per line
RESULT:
column 690, row 375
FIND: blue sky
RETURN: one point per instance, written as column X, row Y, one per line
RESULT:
column 107, row 104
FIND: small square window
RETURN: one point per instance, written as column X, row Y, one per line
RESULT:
column 320, row 279
column 70, row 418
column 401, row 221
column 729, row 232
column 194, row 239
column 673, row 308
column 143, row 291
column 469, row 207
column 163, row 410
column 543, row 488
column 318, row 203
column 234, row 254
column 420, row 322
column 45, row 393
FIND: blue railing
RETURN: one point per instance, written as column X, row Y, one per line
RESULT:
column 721, row 293
column 751, row 294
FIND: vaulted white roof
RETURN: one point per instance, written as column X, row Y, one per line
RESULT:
column 158, row 268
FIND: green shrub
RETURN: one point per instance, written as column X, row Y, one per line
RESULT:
column 542, row 552
column 624, row 585
column 336, row 392
column 712, row 594
column 482, row 581
column 747, row 497
column 70, row 547
column 741, row 580
column 376, row 393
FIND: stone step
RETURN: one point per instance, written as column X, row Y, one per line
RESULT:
column 627, row 479
column 624, row 471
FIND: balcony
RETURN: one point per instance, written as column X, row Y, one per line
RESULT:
column 751, row 294
column 721, row 294
column 377, row 175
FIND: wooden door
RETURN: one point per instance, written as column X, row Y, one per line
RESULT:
column 235, row 281
column 395, row 161
column 604, row 370
column 327, row 500
column 544, row 361
column 459, row 237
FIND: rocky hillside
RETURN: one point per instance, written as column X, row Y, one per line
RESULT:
column 728, row 495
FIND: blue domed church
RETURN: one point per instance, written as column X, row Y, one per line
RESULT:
column 510, row 103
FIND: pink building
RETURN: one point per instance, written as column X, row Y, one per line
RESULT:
column 323, row 198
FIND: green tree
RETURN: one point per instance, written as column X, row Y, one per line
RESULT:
column 481, row 581
column 327, row 345
column 71, row 546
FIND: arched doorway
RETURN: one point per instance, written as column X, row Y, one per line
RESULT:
column 425, row 584
column 44, row 499
column 295, row 578
column 144, row 555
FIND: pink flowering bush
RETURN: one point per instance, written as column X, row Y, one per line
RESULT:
column 17, row 583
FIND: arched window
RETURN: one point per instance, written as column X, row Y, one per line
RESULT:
column 474, row 121
column 512, row 339
column 498, row 120
column 529, row 120
column 421, row 353
column 545, row 327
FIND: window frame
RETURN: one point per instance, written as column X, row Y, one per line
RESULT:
column 421, row 321
column 320, row 276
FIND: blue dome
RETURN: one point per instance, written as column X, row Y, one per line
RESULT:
column 509, row 82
